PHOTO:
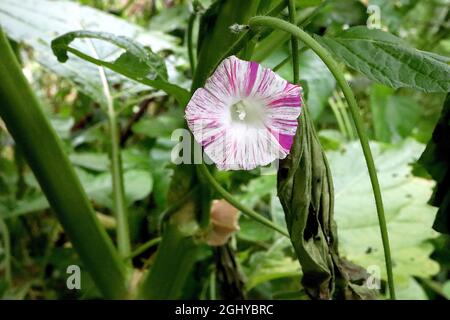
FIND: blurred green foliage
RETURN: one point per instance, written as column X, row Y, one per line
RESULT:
column 400, row 121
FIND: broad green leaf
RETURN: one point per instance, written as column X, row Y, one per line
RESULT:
column 384, row 58
column 409, row 217
column 137, row 62
column 37, row 22
column 320, row 81
column 394, row 116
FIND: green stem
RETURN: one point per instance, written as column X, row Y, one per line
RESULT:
column 277, row 39
column 190, row 45
column 41, row 147
column 123, row 232
column 212, row 285
column 287, row 59
column 203, row 169
column 294, row 42
column 144, row 247
column 348, row 93
column 7, row 251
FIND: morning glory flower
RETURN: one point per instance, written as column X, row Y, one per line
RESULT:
column 245, row 116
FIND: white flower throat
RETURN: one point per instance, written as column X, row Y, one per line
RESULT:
column 247, row 112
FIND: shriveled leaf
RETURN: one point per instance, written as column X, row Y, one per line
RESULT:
column 384, row 58
column 409, row 217
column 305, row 189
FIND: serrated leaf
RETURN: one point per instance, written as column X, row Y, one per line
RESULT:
column 384, row 58
column 409, row 217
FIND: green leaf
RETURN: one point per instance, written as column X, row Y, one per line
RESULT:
column 409, row 217
column 90, row 160
column 138, row 185
column 37, row 22
column 394, row 116
column 137, row 62
column 446, row 289
column 384, row 58
column 159, row 126
column 271, row 264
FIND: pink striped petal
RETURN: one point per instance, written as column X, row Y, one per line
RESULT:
column 245, row 116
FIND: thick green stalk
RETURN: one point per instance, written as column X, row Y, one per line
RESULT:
column 174, row 260
column 235, row 203
column 44, row 153
column 279, row 24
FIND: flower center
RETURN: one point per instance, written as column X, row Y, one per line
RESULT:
column 247, row 112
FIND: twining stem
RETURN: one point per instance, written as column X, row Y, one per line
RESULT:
column 123, row 232
column 276, row 23
column 203, row 169
column 7, row 252
column 190, row 45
